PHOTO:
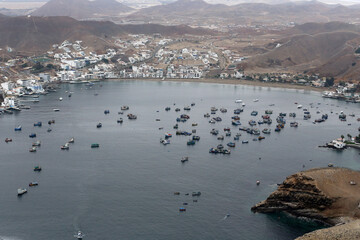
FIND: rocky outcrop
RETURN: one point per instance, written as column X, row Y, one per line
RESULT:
column 330, row 195
column 297, row 195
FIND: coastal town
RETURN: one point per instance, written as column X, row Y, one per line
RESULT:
column 145, row 57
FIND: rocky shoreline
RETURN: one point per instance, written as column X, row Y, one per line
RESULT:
column 329, row 195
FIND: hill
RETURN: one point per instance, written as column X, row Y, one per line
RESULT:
column 40, row 33
column 327, row 49
column 82, row 9
column 197, row 11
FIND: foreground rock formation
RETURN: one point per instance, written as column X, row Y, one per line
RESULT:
column 330, row 195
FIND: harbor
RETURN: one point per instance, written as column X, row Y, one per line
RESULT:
column 128, row 167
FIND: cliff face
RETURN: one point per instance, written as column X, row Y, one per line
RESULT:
column 331, row 195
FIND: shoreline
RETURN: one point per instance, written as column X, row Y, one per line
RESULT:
column 227, row 81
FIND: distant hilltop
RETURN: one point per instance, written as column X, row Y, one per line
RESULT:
column 82, row 9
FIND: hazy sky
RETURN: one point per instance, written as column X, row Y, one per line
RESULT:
column 345, row 2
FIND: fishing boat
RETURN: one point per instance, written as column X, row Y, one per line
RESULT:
column 95, row 145
column 32, row 149
column 236, row 123
column 184, row 159
column 106, row 111
column 32, row 184
column 167, row 109
column 238, row 111
column 182, row 209
column 214, row 132
column 21, row 191
column 228, row 134
column 294, row 124
column 223, row 110
column 168, row 135
column 56, row 110
column 36, row 144
column 256, row 100
column 245, row 141
column 177, row 109
column 18, row 128
column 176, row 126
column 254, row 113
column 190, row 142
column 38, row 124
column 196, row 138
column 51, row 122
column 238, row 101
column 49, row 130
column 207, row 115
column 65, row 146
column 220, row 138
column 268, row 111
column 266, row 131
column 196, row 194
column 164, row 141
column 37, row 168
column 261, row 138
column 187, row 108
column 72, row 140
column 8, row 140
column 123, row 108
column 132, row 116
column 32, row 135
column 252, row 123
column 120, row 120
column 231, row 144
column 79, row 235
column 99, row 125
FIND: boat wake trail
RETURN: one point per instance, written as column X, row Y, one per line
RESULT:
column 226, row 217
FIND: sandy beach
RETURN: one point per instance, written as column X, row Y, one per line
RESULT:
column 231, row 81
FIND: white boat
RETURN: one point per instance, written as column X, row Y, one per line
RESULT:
column 243, row 104
column 238, row 101
column 56, row 110
column 60, row 98
column 338, row 144
column 21, row 191
column 79, row 235
column 256, row 100
column 299, row 106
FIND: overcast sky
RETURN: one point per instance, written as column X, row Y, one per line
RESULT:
column 345, row 2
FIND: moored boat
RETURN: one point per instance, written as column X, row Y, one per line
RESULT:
column 8, row 140
column 37, row 168
column 36, row 144
column 32, row 135
column 95, row 145
column 79, row 235
column 21, row 191
column 32, row 184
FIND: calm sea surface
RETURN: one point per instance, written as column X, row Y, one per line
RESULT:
column 125, row 189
